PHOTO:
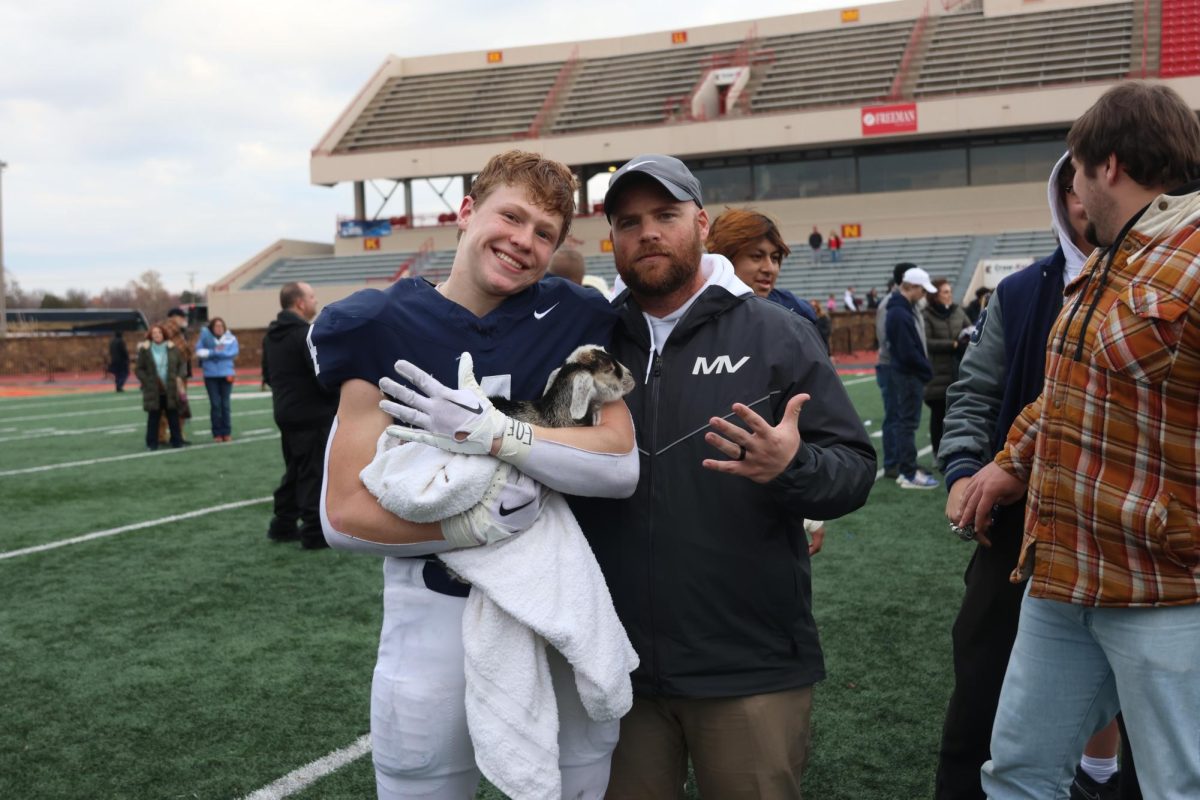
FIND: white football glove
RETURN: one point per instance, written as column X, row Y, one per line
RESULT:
column 510, row 505
column 460, row 420
column 203, row 352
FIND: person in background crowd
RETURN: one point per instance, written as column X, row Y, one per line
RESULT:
column 160, row 368
column 872, row 299
column 883, row 372
column 814, row 241
column 835, row 247
column 216, row 349
column 849, row 301
column 720, row 503
column 945, row 323
column 175, row 328
column 1001, row 373
column 753, row 244
column 975, row 307
column 910, row 371
column 569, row 265
column 830, row 304
column 303, row 411
column 118, row 360
column 1109, row 454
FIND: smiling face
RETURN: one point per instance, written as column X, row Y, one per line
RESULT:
column 156, row 335
column 945, row 294
column 657, row 244
column 757, row 265
column 505, row 246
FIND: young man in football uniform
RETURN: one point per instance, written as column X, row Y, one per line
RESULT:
column 517, row 329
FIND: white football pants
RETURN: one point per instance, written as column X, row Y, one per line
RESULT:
column 418, row 712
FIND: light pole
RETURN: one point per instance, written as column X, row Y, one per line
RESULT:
column 3, row 304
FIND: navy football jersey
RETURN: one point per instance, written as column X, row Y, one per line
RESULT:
column 515, row 347
column 792, row 303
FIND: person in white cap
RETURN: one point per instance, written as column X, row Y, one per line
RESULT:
column 910, row 371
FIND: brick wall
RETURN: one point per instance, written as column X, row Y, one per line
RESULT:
column 74, row 354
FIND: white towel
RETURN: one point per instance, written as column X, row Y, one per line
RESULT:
column 542, row 586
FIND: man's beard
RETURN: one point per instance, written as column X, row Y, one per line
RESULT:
column 681, row 268
column 1093, row 236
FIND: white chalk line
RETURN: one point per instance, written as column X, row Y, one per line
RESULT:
column 859, row 380
column 193, row 399
column 310, row 773
column 87, row 537
column 252, row 437
column 40, row 433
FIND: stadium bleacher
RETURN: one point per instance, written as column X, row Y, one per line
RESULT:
column 864, row 263
column 969, row 52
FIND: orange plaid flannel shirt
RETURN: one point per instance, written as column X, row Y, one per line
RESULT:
column 1111, row 448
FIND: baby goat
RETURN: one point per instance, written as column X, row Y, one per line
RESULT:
column 588, row 379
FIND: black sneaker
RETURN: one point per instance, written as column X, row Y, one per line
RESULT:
column 892, row 472
column 1084, row 788
column 281, row 532
column 313, row 542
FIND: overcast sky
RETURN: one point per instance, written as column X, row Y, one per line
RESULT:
column 175, row 136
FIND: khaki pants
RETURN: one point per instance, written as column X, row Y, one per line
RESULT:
column 753, row 747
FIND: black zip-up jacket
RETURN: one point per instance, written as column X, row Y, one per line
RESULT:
column 710, row 572
column 299, row 400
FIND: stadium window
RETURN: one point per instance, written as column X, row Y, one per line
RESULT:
column 815, row 178
column 922, row 169
column 1016, row 162
column 726, row 184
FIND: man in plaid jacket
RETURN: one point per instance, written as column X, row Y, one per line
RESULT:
column 1109, row 454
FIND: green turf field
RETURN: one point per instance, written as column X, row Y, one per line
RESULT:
column 179, row 654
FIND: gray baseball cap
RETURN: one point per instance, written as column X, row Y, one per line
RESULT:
column 669, row 172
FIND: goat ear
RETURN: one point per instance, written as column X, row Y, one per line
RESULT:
column 583, row 389
column 550, row 380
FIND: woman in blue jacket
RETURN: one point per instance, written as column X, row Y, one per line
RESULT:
column 216, row 349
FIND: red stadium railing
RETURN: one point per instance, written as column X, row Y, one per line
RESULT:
column 568, row 69
column 318, row 151
column 914, row 41
column 741, row 57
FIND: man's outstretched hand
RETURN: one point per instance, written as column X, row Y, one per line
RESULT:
column 761, row 453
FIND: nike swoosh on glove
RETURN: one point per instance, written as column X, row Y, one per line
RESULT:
column 461, row 420
column 510, row 506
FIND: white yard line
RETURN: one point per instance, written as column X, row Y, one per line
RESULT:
column 39, row 433
column 309, row 774
column 858, row 380
column 924, row 451
column 192, row 398
column 252, row 436
column 87, row 537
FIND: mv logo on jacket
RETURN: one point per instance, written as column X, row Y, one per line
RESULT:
column 719, row 364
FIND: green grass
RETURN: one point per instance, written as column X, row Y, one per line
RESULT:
column 196, row 659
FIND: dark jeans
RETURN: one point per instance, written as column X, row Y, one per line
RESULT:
column 906, row 391
column 299, row 494
column 219, row 391
column 937, row 420
column 120, row 375
column 172, row 423
column 882, row 378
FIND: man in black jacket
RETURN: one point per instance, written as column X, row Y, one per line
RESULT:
column 910, row 371
column 708, row 562
column 304, row 412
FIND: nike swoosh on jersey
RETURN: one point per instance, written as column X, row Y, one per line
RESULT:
column 504, row 512
column 476, row 409
column 540, row 314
